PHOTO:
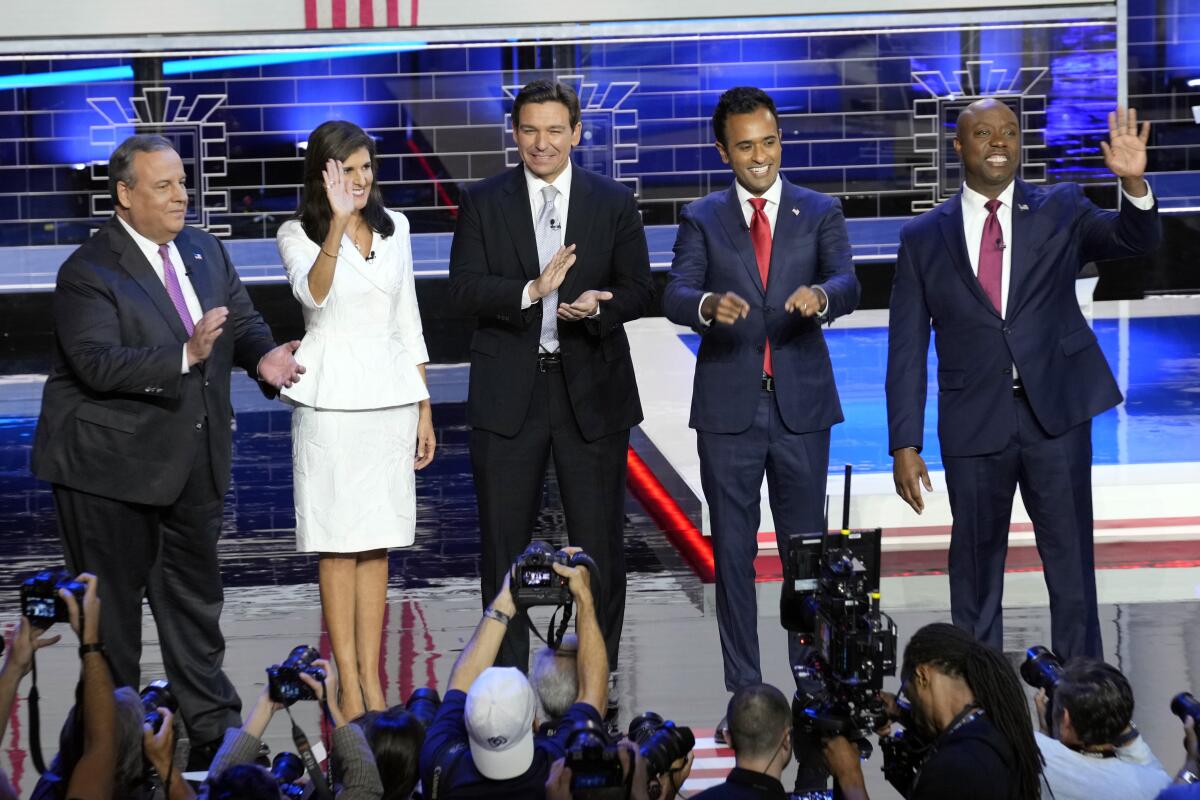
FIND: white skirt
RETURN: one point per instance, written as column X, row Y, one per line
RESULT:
column 353, row 478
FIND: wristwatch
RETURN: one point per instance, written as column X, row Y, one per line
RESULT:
column 1187, row 775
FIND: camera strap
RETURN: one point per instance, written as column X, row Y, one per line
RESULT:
column 553, row 638
column 304, row 749
column 35, row 721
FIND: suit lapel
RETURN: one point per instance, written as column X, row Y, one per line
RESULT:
column 1025, row 232
column 134, row 262
column 519, row 219
column 580, row 216
column 951, row 225
column 788, row 220
column 197, row 269
column 734, row 223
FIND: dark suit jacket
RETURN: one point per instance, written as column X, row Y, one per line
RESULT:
column 1055, row 231
column 494, row 255
column 118, row 418
column 714, row 253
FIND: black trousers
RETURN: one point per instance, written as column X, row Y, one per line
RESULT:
column 1055, row 476
column 731, row 472
column 509, row 477
column 168, row 555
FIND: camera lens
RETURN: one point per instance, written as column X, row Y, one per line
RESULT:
column 668, row 744
column 287, row 768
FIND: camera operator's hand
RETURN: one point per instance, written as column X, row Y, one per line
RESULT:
column 90, row 632
column 1192, row 761
column 260, row 716
column 579, row 579
column 503, row 601
column 844, row 760
column 558, row 785
column 671, row 781
column 160, row 747
column 25, row 642
column 327, row 692
column 1043, row 718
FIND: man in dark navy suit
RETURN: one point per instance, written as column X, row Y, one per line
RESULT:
column 1020, row 373
column 758, row 268
column 149, row 319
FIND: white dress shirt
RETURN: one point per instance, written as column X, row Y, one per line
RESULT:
column 150, row 251
column 562, row 202
column 771, row 211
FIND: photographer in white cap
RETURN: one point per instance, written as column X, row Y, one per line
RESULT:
column 482, row 743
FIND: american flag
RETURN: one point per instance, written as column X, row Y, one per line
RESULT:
column 326, row 14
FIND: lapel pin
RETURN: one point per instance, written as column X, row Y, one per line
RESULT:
column 1022, row 207
column 197, row 256
column 796, row 211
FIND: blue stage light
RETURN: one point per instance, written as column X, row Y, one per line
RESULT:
column 66, row 76
column 244, row 60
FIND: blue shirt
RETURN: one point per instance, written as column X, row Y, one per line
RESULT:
column 448, row 771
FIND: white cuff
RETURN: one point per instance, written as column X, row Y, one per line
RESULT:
column 1143, row 203
column 699, row 314
column 526, row 301
column 186, row 369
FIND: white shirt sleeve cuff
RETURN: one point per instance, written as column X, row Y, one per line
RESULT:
column 1143, row 203
column 186, row 369
column 824, row 312
column 526, row 301
column 700, row 314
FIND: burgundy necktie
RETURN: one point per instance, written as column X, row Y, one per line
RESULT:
column 760, row 235
column 175, row 291
column 991, row 255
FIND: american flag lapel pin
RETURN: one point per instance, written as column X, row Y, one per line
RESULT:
column 197, row 256
column 1022, row 207
column 796, row 212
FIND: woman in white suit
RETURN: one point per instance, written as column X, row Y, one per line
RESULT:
column 362, row 421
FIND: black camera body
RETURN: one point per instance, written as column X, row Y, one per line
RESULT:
column 1041, row 669
column 156, row 695
column 283, row 680
column 660, row 742
column 595, row 764
column 39, row 596
column 534, row 581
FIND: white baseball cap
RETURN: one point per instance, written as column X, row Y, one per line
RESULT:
column 499, row 716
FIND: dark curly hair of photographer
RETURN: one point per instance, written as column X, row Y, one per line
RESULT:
column 997, row 691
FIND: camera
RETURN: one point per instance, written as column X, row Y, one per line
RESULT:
column 830, row 599
column 1184, row 705
column 423, row 704
column 660, row 744
column 903, row 750
column 595, row 764
column 39, row 596
column 287, row 769
column 156, row 695
column 1041, row 669
column 535, row 583
column 283, row 680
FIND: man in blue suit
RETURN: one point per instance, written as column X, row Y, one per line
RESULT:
column 758, row 267
column 1020, row 373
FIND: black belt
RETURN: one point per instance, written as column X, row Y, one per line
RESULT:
column 768, row 383
column 549, row 362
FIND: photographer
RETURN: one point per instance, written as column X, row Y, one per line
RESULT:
column 554, row 676
column 482, row 741
column 967, row 701
column 760, row 733
column 159, row 748
column 26, row 641
column 1092, row 751
column 360, row 778
column 1187, row 780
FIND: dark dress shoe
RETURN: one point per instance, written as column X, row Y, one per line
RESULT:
column 721, row 734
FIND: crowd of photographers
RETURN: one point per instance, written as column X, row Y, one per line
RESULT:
column 960, row 726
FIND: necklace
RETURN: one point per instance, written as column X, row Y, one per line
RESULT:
column 362, row 249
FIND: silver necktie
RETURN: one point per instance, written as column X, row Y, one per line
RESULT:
column 549, row 240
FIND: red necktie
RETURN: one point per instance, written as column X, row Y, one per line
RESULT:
column 991, row 255
column 760, row 235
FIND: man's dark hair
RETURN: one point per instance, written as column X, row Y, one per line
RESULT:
column 120, row 163
column 758, row 715
column 740, row 100
column 1099, row 698
column 243, row 782
column 546, row 91
column 992, row 680
column 395, row 737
